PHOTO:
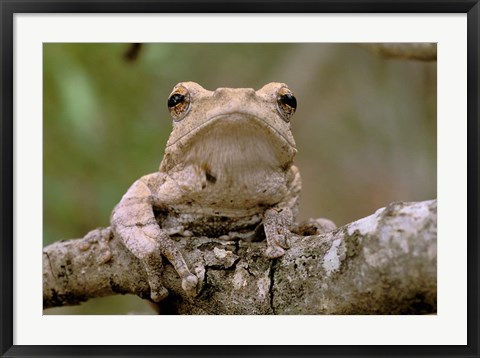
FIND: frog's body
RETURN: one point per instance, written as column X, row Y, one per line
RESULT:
column 227, row 172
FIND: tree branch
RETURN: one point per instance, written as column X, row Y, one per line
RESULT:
column 412, row 51
column 381, row 264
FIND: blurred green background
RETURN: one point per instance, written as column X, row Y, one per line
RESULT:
column 365, row 127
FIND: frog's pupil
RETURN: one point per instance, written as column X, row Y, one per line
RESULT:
column 175, row 99
column 289, row 100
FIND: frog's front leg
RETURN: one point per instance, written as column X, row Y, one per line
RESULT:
column 278, row 220
column 276, row 223
column 133, row 221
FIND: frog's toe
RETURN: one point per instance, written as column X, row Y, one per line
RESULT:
column 274, row 252
column 158, row 294
column 282, row 240
column 189, row 284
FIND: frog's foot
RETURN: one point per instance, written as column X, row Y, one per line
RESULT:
column 274, row 250
column 277, row 243
column 159, row 294
column 314, row 227
column 189, row 284
column 154, row 267
column 173, row 254
column 276, row 226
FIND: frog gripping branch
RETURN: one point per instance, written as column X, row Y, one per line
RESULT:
column 227, row 171
column 222, row 211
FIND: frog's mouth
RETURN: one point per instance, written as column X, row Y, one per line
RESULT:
column 237, row 140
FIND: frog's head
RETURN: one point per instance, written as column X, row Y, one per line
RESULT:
column 231, row 126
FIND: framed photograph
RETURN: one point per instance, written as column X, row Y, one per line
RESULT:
column 201, row 177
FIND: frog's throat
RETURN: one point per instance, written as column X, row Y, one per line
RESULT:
column 230, row 143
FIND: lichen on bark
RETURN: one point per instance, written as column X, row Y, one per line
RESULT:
column 381, row 264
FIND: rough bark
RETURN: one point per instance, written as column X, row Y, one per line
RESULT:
column 382, row 264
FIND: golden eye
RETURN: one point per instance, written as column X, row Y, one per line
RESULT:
column 286, row 102
column 179, row 103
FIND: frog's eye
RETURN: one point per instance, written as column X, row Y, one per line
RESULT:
column 286, row 103
column 179, row 103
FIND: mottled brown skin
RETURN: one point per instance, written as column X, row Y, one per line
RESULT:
column 227, row 172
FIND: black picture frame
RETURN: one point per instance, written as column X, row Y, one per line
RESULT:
column 10, row 7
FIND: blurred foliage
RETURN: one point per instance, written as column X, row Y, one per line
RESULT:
column 365, row 126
